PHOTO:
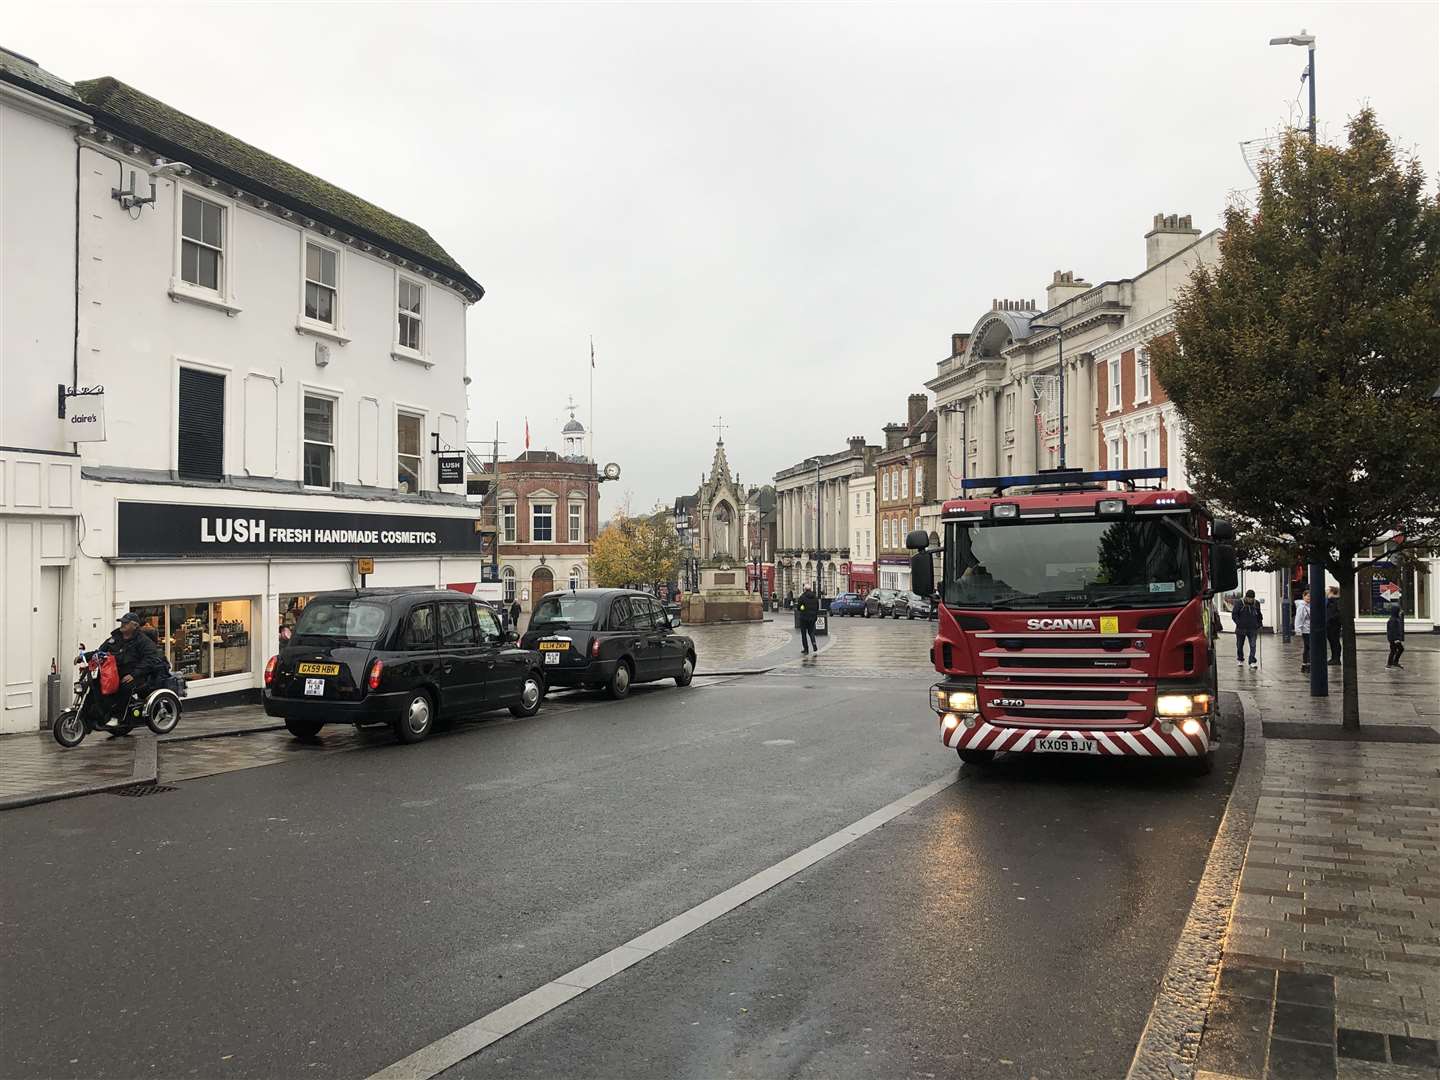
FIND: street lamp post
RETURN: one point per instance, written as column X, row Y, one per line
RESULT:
column 1060, row 339
column 819, row 586
column 1319, row 609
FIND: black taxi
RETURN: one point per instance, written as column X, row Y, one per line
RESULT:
column 401, row 658
column 608, row 639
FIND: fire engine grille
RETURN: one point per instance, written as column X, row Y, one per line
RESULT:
column 1020, row 660
column 1080, row 718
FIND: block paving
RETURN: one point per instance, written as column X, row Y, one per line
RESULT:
column 1331, row 968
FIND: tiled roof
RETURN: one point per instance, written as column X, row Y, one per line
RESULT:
column 24, row 69
column 210, row 150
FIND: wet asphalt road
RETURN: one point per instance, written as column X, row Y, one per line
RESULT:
column 328, row 916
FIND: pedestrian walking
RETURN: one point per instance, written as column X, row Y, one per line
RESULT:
column 1248, row 621
column 515, row 615
column 1302, row 627
column 807, row 607
column 1333, row 623
column 1395, row 634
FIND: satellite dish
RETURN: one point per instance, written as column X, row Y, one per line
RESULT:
column 611, row 471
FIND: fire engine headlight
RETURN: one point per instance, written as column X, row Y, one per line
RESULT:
column 945, row 699
column 1182, row 704
column 1192, row 727
column 964, row 700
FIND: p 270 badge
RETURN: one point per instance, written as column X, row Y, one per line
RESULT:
column 1008, row 703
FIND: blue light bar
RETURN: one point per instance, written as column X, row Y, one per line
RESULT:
column 1060, row 478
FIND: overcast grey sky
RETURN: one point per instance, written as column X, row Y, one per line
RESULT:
column 774, row 212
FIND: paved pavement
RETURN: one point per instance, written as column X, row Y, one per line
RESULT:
column 1332, row 964
column 334, row 913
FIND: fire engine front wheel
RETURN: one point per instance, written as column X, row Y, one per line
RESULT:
column 976, row 757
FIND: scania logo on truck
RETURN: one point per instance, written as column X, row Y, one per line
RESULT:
column 1061, row 624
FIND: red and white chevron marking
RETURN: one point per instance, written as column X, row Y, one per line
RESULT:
column 1144, row 742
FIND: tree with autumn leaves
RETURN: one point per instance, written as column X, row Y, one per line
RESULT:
column 1305, row 361
column 635, row 552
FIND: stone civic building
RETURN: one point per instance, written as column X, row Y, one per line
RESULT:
column 997, row 393
column 826, row 477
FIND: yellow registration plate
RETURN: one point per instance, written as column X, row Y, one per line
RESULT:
column 554, row 646
column 319, row 669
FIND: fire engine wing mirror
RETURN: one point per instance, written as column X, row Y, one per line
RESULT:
column 1224, row 572
column 922, row 574
column 922, row 565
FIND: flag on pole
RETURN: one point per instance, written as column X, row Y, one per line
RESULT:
column 592, row 354
column 527, row 433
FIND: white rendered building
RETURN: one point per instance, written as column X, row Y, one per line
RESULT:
column 283, row 375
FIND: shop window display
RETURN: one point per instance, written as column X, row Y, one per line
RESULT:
column 230, row 624
column 201, row 638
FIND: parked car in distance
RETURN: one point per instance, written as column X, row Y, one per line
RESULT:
column 608, row 639
column 918, row 607
column 847, row 603
column 673, row 610
column 883, row 603
column 401, row 658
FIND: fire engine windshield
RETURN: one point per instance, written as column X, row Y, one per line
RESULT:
column 1126, row 562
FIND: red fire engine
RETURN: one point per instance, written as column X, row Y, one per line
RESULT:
column 1077, row 618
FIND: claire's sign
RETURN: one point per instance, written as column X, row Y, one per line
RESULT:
column 168, row 529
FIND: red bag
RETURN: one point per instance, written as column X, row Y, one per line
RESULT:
column 109, row 676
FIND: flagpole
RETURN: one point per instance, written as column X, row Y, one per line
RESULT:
column 592, row 397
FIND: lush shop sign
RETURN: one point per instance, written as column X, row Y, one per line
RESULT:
column 168, row 529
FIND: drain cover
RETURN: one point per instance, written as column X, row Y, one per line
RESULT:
column 134, row 791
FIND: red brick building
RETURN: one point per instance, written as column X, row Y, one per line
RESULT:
column 904, row 482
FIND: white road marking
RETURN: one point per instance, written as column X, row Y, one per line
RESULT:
column 454, row 1048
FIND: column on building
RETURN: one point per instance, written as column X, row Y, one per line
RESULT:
column 987, row 434
column 1082, row 429
column 1027, row 427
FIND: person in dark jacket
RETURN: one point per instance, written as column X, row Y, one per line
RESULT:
column 806, row 610
column 138, row 659
column 515, row 615
column 1395, row 634
column 1334, row 622
column 1248, row 621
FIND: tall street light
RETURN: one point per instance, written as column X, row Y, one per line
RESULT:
column 1319, row 609
column 1305, row 41
column 819, row 588
column 1060, row 338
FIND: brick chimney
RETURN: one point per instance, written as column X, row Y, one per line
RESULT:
column 1062, row 287
column 857, row 442
column 1169, row 234
column 894, row 433
column 919, row 405
column 958, row 344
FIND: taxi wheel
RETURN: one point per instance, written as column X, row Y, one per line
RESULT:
column 619, row 684
column 303, row 729
column 979, row 758
column 532, row 693
column 687, row 672
column 417, row 720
